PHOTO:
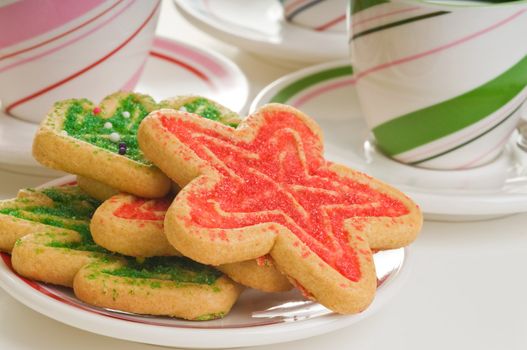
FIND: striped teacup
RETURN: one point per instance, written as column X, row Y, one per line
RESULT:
column 57, row 49
column 441, row 83
column 319, row 15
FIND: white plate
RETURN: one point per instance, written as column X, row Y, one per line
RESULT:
column 172, row 68
column 259, row 27
column 256, row 319
column 326, row 93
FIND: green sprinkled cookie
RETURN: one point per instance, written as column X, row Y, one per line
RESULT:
column 53, row 210
column 100, row 142
column 167, row 286
column 204, row 108
column 56, row 257
column 48, row 233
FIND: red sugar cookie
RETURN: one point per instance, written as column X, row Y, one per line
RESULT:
column 265, row 188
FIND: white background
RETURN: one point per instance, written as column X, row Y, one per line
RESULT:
column 467, row 286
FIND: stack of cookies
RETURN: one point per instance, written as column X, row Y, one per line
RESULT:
column 181, row 204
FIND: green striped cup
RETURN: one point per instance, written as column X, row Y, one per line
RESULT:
column 441, row 83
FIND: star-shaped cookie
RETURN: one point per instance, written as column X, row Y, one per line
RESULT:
column 265, row 188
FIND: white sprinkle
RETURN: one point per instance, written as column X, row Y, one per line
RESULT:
column 108, row 125
column 64, row 133
column 115, row 137
column 126, row 114
column 183, row 109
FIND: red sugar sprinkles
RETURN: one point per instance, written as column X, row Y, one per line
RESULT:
column 280, row 176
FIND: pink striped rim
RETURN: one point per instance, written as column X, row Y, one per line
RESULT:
column 84, row 70
column 206, row 61
column 500, row 144
column 132, row 82
column 303, row 99
column 185, row 66
column 438, row 49
column 67, row 43
column 331, row 23
column 293, row 5
column 15, row 53
column 383, row 15
column 51, row 14
column 488, row 122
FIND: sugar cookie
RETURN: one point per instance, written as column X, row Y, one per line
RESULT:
column 169, row 286
column 54, row 245
column 265, row 188
column 100, row 142
column 55, row 257
column 52, row 210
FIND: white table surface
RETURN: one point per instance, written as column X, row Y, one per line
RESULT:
column 467, row 286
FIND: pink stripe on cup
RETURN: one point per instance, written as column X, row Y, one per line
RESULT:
column 438, row 49
column 482, row 156
column 67, row 43
column 26, row 19
column 383, row 15
column 353, row 80
column 53, row 86
column 59, row 36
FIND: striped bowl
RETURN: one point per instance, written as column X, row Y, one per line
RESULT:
column 441, row 84
column 319, row 15
column 58, row 49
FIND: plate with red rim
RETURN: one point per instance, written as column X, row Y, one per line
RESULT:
column 170, row 62
column 256, row 319
column 327, row 93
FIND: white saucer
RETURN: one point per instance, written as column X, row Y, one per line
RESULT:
column 172, row 68
column 257, row 318
column 259, row 27
column 326, row 93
